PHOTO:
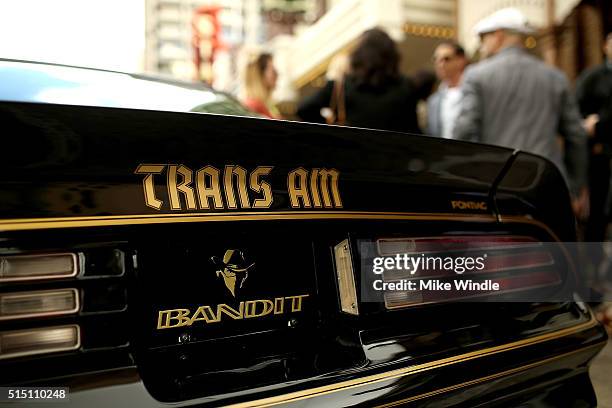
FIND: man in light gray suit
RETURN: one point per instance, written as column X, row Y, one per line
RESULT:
column 444, row 105
column 513, row 99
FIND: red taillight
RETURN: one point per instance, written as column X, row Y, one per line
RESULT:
column 517, row 264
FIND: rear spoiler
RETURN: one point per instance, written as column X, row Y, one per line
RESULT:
column 85, row 166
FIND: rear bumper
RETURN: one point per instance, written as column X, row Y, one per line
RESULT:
column 546, row 370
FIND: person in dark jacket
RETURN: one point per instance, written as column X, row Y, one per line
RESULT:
column 594, row 95
column 373, row 94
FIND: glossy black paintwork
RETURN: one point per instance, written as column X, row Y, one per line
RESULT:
column 535, row 187
column 81, row 161
column 77, row 161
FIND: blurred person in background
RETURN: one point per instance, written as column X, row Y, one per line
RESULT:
column 259, row 82
column 338, row 67
column 373, row 94
column 424, row 82
column 594, row 94
column 512, row 99
column 444, row 105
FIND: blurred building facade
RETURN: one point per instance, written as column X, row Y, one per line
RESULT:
column 169, row 31
column 569, row 33
column 173, row 28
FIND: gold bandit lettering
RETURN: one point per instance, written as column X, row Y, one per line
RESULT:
column 234, row 187
column 250, row 309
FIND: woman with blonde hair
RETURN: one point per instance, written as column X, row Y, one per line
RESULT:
column 259, row 83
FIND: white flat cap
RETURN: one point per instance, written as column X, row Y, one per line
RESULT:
column 505, row 19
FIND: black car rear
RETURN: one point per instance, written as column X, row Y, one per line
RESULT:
column 160, row 258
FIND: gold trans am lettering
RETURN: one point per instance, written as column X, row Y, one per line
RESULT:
column 234, row 187
column 148, row 185
column 316, row 184
column 172, row 318
column 469, row 205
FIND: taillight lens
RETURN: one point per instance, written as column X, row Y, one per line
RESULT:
column 14, row 268
column 39, row 341
column 518, row 264
column 20, row 305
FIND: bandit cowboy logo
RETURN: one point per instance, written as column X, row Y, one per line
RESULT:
column 233, row 269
